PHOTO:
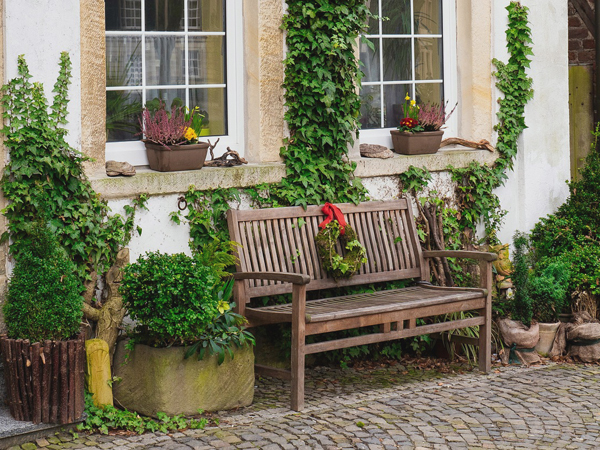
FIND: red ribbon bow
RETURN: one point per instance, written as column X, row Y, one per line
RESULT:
column 333, row 213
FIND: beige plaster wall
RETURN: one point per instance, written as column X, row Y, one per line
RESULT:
column 474, row 53
column 93, row 81
column 263, row 54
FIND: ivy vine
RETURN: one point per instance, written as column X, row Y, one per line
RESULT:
column 44, row 178
column 323, row 105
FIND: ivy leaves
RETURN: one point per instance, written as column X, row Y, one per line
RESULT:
column 45, row 179
column 321, row 74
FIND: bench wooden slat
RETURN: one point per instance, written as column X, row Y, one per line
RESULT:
column 382, row 337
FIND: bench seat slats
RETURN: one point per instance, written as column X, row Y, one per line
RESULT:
column 334, row 308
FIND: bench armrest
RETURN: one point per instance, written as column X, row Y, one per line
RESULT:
column 286, row 277
column 485, row 256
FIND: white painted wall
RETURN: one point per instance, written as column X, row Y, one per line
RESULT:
column 41, row 30
column 537, row 185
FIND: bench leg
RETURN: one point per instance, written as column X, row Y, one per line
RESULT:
column 298, row 341
column 485, row 331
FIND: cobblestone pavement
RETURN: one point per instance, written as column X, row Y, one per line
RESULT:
column 550, row 406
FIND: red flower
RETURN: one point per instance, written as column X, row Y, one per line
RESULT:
column 409, row 123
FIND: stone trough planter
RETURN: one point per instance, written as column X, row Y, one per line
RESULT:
column 161, row 380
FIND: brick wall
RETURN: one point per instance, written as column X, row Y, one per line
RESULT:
column 581, row 41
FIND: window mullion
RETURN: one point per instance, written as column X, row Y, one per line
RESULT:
column 143, row 31
column 186, row 54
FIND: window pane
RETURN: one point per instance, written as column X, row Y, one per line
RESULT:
column 370, row 107
column 170, row 97
column 430, row 93
column 212, row 103
column 123, row 15
column 373, row 24
column 206, row 15
column 428, row 59
column 123, row 61
column 123, row 109
column 164, row 15
column 370, row 59
column 398, row 15
column 428, row 16
column 206, row 59
column 396, row 59
column 165, row 64
column 393, row 97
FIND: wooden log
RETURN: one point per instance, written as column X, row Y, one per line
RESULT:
column 36, row 401
column 71, row 375
column 21, row 374
column 79, row 377
column 46, row 380
column 55, row 385
column 98, row 371
column 63, row 383
column 12, row 387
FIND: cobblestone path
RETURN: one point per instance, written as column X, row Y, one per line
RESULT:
column 551, row 406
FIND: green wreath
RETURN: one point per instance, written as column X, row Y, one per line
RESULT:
column 334, row 264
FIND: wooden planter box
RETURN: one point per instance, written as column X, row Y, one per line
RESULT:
column 176, row 157
column 422, row 143
column 44, row 381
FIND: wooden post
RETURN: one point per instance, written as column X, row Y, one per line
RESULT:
column 23, row 382
column 79, row 377
column 71, row 375
column 36, row 416
column 46, row 381
column 485, row 330
column 98, row 371
column 64, row 383
column 298, row 342
column 55, row 385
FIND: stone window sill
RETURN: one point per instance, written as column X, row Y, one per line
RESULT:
column 164, row 183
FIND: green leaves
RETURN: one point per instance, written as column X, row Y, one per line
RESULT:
column 44, row 178
column 321, row 75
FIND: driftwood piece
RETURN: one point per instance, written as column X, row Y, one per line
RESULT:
column 375, row 151
column 482, row 144
column 223, row 160
column 116, row 168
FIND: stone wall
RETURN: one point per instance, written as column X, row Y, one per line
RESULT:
column 581, row 39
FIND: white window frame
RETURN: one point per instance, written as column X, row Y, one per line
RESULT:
column 381, row 136
column 134, row 151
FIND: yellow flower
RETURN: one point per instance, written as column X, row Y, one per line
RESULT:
column 223, row 306
column 407, row 97
column 412, row 103
column 190, row 134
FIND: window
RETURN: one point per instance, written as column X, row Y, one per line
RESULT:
column 182, row 52
column 413, row 54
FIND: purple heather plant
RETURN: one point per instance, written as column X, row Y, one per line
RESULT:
column 433, row 116
column 164, row 128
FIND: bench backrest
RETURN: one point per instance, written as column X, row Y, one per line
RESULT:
column 274, row 240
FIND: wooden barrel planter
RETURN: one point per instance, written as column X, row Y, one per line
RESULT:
column 44, row 381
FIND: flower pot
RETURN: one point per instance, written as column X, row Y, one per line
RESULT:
column 547, row 335
column 176, row 157
column 161, row 379
column 422, row 143
column 44, row 381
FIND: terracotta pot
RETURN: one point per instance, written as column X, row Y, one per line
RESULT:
column 422, row 143
column 176, row 157
column 547, row 334
column 45, row 380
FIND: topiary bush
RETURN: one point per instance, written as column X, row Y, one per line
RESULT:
column 44, row 295
column 173, row 298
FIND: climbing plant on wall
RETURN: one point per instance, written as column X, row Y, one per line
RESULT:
column 323, row 105
column 44, row 178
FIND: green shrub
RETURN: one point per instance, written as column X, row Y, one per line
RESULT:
column 548, row 288
column 173, row 298
column 522, row 306
column 44, row 295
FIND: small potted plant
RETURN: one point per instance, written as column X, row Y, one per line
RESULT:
column 171, row 138
column 43, row 354
column 188, row 350
column 420, row 131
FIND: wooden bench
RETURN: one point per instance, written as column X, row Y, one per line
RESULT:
column 278, row 255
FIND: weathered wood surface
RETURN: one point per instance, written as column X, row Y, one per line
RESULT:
column 98, row 373
column 278, row 255
column 39, row 385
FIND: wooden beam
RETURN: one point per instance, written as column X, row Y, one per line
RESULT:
column 587, row 15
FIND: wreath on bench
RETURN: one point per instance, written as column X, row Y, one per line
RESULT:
column 334, row 227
